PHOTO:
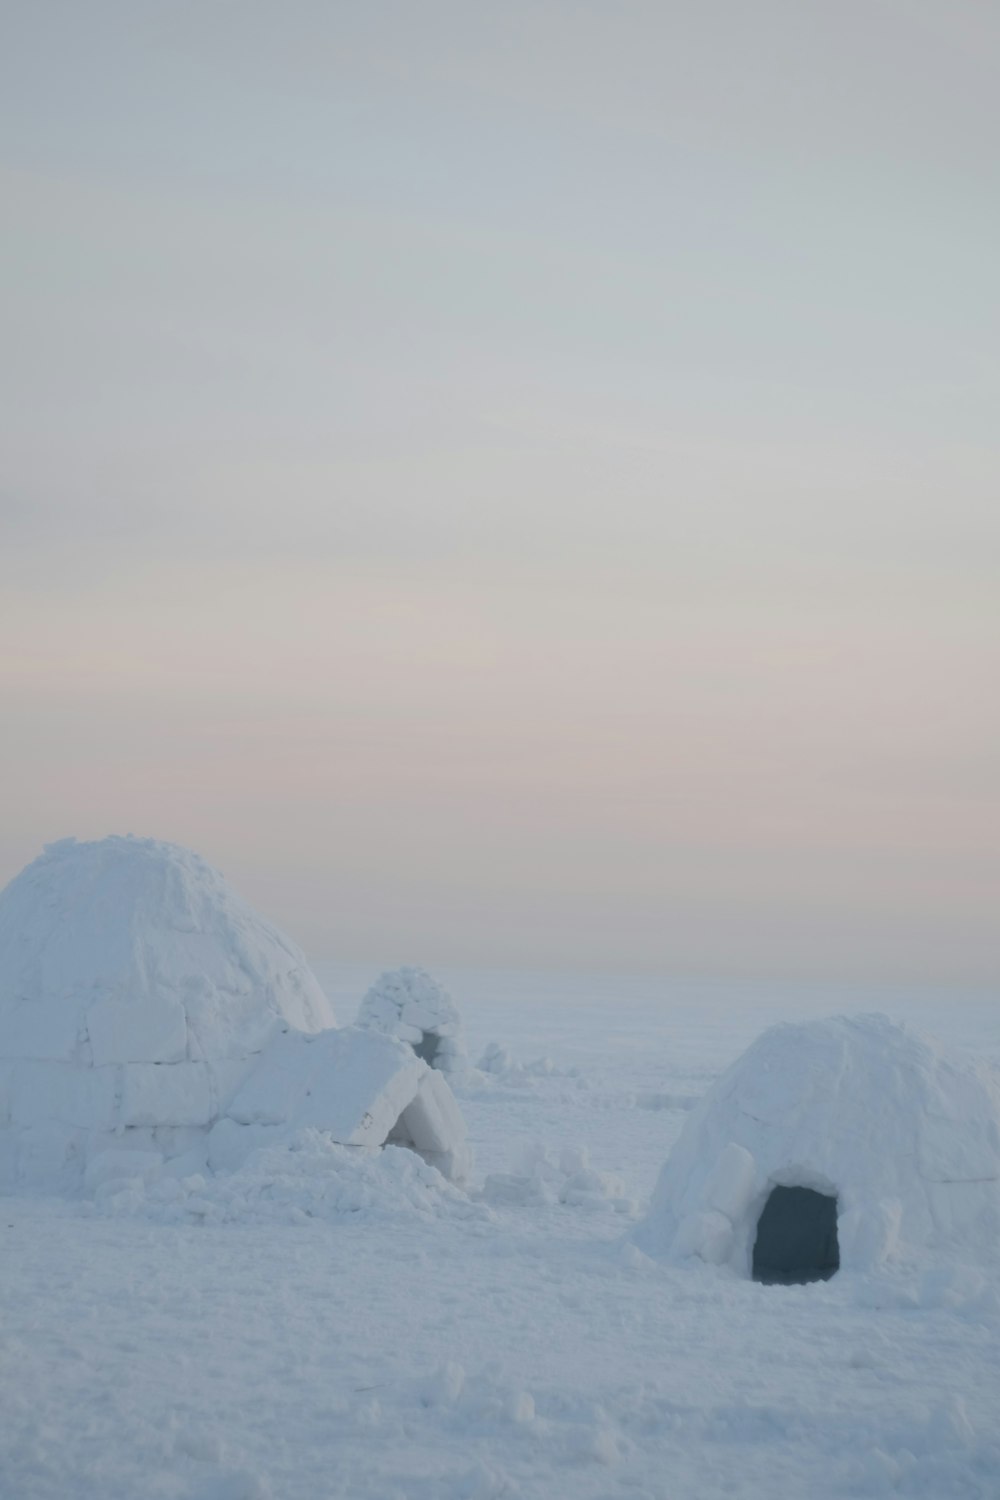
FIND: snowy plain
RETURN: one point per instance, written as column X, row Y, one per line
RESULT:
column 351, row 1327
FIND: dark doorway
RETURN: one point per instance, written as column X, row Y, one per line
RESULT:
column 796, row 1237
column 427, row 1047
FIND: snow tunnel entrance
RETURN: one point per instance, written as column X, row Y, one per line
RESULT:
column 428, row 1047
column 419, row 1129
column 796, row 1237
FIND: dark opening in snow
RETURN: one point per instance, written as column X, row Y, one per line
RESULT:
column 427, row 1047
column 796, row 1237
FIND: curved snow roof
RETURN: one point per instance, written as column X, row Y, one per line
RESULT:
column 133, row 950
column 904, row 1134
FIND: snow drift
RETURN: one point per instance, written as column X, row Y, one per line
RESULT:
column 905, row 1138
column 409, row 1004
column 148, row 1015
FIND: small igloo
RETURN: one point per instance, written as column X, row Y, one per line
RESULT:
column 849, row 1142
column 140, row 997
column 407, row 1003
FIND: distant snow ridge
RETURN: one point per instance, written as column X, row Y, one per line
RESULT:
column 902, row 1135
column 150, row 1019
column 409, row 1004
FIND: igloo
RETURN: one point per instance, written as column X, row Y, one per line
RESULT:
column 140, row 997
column 848, row 1142
column 409, row 1004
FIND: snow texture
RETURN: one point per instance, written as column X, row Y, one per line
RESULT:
column 409, row 1004
column 285, row 1177
column 904, row 1135
column 330, row 1321
column 142, row 1000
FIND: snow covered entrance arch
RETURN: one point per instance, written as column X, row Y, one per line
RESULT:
column 887, row 1148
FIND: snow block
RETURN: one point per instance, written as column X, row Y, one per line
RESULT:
column 708, row 1235
column 108, row 1165
column 731, row 1183
column 42, row 1029
column 352, row 1083
column 166, row 1094
column 44, row 1093
column 227, row 1076
column 432, row 1125
column 361, row 1088
column 151, row 1029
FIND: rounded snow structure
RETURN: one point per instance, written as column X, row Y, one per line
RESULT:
column 848, row 1143
column 135, row 988
column 407, row 1003
column 150, row 1020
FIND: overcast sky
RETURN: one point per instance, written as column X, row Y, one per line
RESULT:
column 514, row 483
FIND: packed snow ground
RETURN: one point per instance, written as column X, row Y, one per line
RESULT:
column 325, row 1323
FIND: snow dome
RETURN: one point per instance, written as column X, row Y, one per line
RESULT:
column 409, row 1004
column 836, row 1143
column 136, row 988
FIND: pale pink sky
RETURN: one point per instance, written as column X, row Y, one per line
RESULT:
column 514, row 485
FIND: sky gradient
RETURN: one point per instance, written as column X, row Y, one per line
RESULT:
column 514, row 484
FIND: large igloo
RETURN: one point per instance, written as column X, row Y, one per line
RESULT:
column 409, row 1004
column 849, row 1142
column 141, row 999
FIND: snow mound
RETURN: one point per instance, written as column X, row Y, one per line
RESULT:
column 542, row 1179
column 499, row 1064
column 903, row 1135
column 407, row 1003
column 298, row 1176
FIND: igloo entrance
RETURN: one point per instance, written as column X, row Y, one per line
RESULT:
column 427, row 1047
column 796, row 1237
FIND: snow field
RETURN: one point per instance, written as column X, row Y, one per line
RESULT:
column 362, row 1329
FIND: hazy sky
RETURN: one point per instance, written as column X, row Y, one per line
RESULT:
column 514, row 482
